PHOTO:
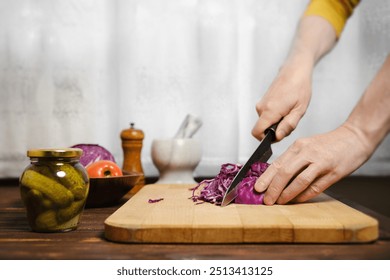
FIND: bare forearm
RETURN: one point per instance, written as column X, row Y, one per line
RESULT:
column 370, row 119
column 314, row 38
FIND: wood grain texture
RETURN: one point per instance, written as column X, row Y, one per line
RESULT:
column 88, row 242
column 177, row 219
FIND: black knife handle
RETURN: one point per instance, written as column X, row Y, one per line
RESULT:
column 273, row 129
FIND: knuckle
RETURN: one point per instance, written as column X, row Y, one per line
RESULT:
column 268, row 106
column 312, row 191
column 300, row 144
column 282, row 170
column 277, row 165
column 304, row 180
column 273, row 190
column 289, row 125
column 260, row 108
column 315, row 189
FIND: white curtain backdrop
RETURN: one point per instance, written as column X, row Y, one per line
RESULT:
column 79, row 71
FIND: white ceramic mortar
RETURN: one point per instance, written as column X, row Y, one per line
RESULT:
column 176, row 159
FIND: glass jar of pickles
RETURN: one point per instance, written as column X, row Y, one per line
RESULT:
column 54, row 189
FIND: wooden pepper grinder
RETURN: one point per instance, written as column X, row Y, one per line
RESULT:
column 132, row 145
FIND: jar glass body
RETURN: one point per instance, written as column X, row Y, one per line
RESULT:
column 54, row 192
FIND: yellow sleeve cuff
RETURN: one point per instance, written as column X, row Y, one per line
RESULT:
column 336, row 12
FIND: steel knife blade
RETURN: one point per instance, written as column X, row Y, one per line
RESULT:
column 262, row 154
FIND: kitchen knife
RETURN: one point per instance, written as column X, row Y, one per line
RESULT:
column 261, row 154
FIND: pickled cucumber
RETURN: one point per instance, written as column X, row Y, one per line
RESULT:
column 32, row 200
column 35, row 200
column 44, row 169
column 53, row 190
column 68, row 225
column 73, row 180
column 65, row 214
column 46, row 220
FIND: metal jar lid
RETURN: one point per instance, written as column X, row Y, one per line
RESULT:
column 55, row 153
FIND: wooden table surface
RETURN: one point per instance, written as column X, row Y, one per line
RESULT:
column 17, row 241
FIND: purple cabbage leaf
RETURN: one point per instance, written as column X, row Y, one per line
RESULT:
column 92, row 153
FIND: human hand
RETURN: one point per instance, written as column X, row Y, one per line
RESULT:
column 286, row 101
column 311, row 165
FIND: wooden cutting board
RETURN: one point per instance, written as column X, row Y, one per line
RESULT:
column 177, row 219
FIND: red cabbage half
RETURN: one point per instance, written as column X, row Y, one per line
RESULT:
column 92, row 153
column 213, row 190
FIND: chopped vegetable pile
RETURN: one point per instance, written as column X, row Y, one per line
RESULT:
column 213, row 190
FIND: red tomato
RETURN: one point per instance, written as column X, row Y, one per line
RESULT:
column 103, row 168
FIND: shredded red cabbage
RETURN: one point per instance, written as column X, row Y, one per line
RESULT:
column 213, row 190
column 92, row 153
column 155, row 200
